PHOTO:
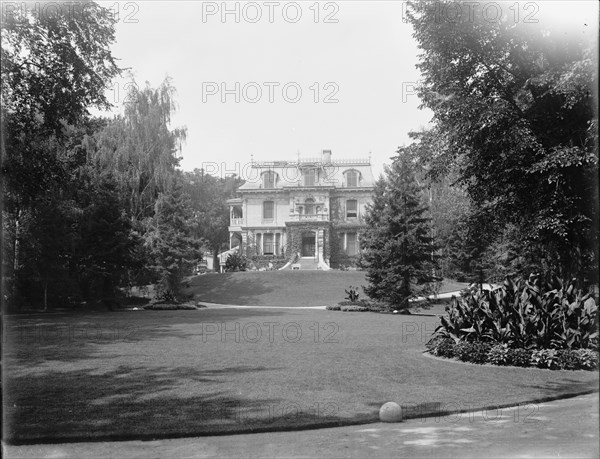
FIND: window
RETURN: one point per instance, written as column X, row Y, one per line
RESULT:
column 352, row 179
column 268, row 246
column 268, row 210
column 351, row 244
column 269, row 179
column 351, row 208
column 309, row 205
column 310, row 177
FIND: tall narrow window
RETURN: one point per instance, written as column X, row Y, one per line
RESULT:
column 268, row 210
column 351, row 208
column 352, row 179
column 268, row 246
column 351, row 245
column 310, row 177
column 309, row 205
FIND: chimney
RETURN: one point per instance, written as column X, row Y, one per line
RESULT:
column 327, row 156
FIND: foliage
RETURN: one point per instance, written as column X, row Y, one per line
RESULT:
column 352, row 293
column 140, row 148
column 333, row 307
column 535, row 314
column 169, row 306
column 172, row 248
column 236, row 262
column 475, row 352
column 514, row 109
column 353, row 308
column 397, row 248
column 209, row 196
column 501, row 354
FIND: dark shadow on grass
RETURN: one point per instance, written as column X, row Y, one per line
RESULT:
column 31, row 341
column 135, row 403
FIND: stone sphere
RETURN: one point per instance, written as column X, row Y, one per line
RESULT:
column 390, row 412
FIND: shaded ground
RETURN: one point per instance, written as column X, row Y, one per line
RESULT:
column 282, row 288
column 147, row 374
column 566, row 428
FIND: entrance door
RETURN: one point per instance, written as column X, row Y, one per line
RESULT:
column 308, row 246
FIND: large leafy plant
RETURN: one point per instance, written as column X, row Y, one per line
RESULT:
column 532, row 314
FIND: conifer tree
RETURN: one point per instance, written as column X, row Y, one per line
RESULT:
column 398, row 249
column 173, row 249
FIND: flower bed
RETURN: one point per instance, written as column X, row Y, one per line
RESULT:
column 538, row 323
column 501, row 354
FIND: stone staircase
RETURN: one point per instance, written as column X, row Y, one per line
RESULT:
column 307, row 264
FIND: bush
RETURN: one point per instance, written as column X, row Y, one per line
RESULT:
column 236, row 262
column 333, row 307
column 169, row 306
column 587, row 359
column 568, row 359
column 441, row 347
column 352, row 294
column 472, row 352
column 519, row 357
column 353, row 308
column 526, row 314
column 499, row 355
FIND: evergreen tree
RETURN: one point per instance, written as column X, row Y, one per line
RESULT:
column 173, row 249
column 398, row 250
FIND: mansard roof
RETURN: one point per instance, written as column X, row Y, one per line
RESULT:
column 288, row 173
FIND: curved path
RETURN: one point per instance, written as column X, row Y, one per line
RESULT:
column 565, row 428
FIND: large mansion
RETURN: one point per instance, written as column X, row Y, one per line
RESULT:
column 308, row 213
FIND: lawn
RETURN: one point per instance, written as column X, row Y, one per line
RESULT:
column 282, row 288
column 148, row 374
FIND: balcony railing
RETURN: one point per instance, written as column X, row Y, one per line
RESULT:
column 307, row 217
column 237, row 221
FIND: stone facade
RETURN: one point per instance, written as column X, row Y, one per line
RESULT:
column 297, row 210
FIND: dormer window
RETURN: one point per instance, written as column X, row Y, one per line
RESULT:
column 352, row 178
column 309, row 177
column 269, row 179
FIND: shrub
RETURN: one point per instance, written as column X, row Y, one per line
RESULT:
column 519, row 357
column 353, row 308
column 442, row 347
column 475, row 352
column 544, row 358
column 499, row 355
column 526, row 314
column 568, row 359
column 352, row 294
column 169, row 306
column 236, row 262
column 333, row 307
column 587, row 359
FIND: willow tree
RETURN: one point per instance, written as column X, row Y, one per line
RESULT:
column 141, row 148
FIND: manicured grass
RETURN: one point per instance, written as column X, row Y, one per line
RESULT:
column 149, row 374
column 282, row 288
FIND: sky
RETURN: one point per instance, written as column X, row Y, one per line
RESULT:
column 274, row 80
